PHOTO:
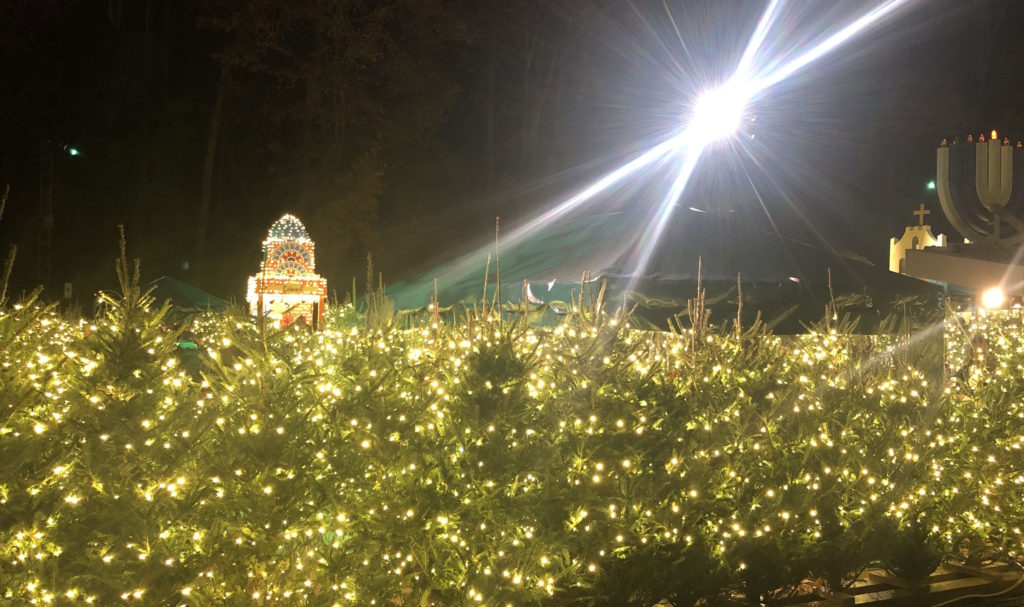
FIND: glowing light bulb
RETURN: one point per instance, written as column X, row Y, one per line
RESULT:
column 993, row 298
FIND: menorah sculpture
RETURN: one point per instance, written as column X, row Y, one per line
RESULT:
column 975, row 182
column 975, row 186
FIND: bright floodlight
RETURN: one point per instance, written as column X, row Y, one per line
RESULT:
column 993, row 298
column 717, row 113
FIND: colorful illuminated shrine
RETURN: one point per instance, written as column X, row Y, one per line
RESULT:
column 287, row 288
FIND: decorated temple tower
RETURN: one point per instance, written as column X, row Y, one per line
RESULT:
column 287, row 288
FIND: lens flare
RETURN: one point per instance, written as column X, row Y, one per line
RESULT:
column 826, row 46
column 690, row 157
column 718, row 113
column 723, row 107
column 599, row 186
column 471, row 262
column 757, row 39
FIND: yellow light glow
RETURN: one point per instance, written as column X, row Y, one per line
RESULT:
column 993, row 298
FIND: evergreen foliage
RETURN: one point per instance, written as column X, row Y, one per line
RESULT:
column 489, row 462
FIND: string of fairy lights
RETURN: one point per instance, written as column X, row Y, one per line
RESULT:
column 481, row 463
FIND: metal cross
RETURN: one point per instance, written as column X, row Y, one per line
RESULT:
column 921, row 212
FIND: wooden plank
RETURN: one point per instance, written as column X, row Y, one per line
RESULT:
column 891, row 580
column 996, row 572
column 878, row 588
column 815, row 599
column 936, row 589
column 968, row 583
column 875, row 597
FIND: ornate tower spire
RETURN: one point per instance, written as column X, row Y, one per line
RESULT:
column 288, row 289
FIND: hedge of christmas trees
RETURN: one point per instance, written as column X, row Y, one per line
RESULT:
column 488, row 462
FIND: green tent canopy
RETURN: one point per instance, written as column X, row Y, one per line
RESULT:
column 184, row 296
column 789, row 282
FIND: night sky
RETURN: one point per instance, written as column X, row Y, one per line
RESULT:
column 403, row 127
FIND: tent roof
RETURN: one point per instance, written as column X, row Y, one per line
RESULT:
column 788, row 280
column 610, row 244
column 183, row 295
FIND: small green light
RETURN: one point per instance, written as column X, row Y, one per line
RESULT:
column 72, row 151
column 931, row 185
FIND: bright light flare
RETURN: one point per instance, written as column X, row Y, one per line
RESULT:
column 757, row 38
column 718, row 113
column 608, row 181
column 687, row 163
column 776, row 75
column 598, row 187
column 993, row 299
